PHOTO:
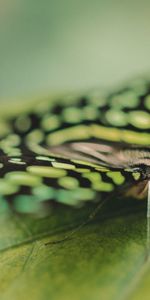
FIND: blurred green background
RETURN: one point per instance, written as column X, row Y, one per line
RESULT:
column 48, row 46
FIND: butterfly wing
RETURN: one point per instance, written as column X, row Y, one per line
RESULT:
column 29, row 182
column 69, row 155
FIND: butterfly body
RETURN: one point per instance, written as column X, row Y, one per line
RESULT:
column 71, row 151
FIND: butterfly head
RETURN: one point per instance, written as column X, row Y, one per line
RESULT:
column 141, row 172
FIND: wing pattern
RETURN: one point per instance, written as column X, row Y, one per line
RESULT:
column 73, row 154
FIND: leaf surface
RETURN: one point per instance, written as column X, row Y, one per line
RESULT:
column 103, row 260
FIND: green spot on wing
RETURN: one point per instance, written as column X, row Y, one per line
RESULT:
column 136, row 175
column 117, row 177
column 128, row 99
column 140, row 119
column 116, row 117
column 102, row 186
column 68, row 182
column 93, row 176
column 74, row 198
column 63, row 165
column 50, row 122
column 23, row 123
column 7, row 188
column 82, row 170
column 72, row 115
column 43, row 192
column 45, row 158
column 46, row 171
column 22, row 178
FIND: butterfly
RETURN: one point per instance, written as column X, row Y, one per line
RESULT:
column 76, row 149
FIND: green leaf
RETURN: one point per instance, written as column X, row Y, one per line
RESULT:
column 105, row 259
